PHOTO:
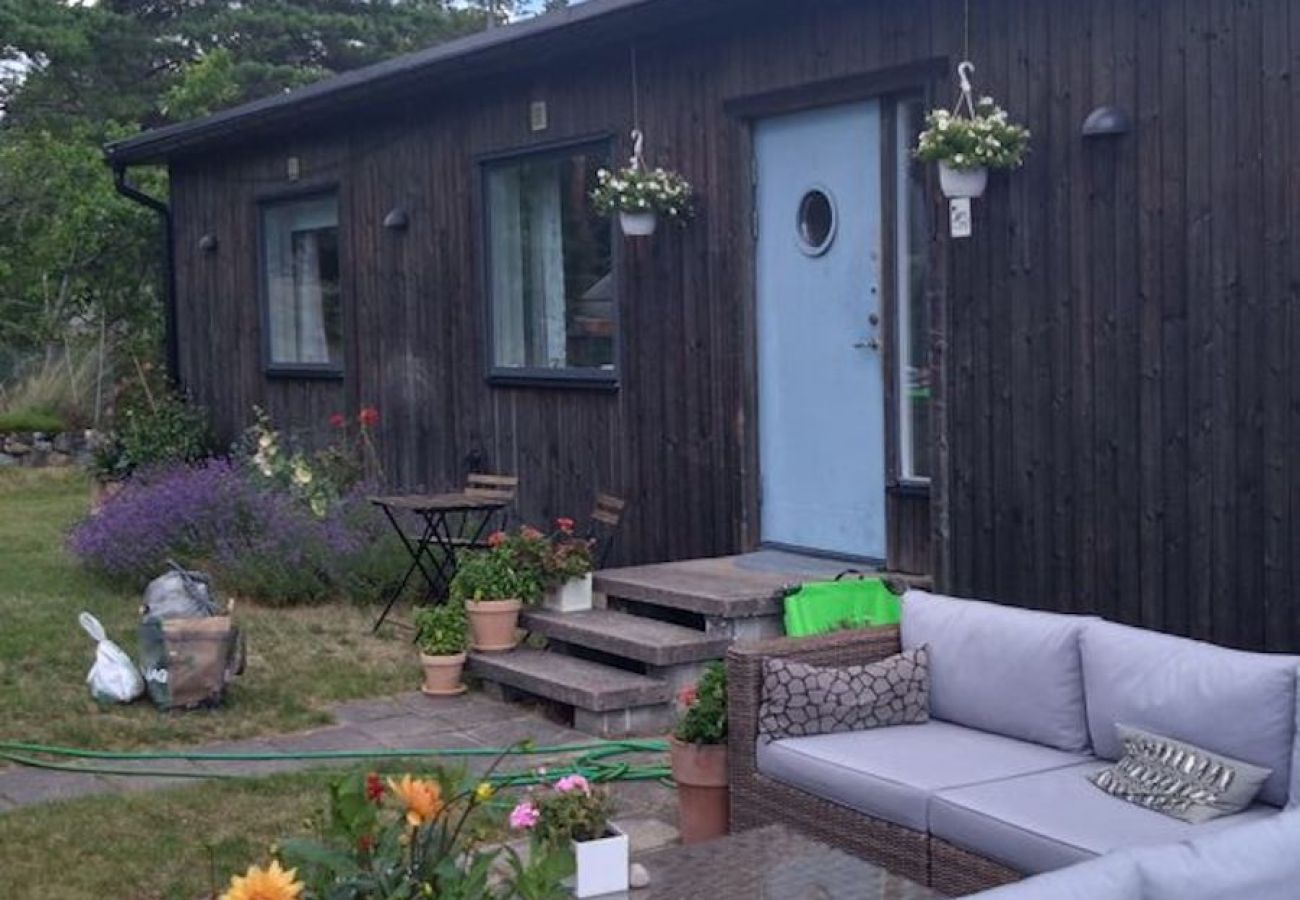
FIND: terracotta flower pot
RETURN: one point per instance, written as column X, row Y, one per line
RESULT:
column 493, row 624
column 442, row 674
column 703, row 797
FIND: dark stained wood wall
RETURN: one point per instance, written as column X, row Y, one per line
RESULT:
column 1119, row 409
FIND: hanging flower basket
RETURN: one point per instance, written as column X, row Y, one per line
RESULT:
column 640, row 195
column 969, row 140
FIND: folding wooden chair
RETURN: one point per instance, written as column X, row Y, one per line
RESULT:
column 492, row 487
column 603, row 525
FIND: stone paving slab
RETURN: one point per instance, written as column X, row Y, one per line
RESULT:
column 408, row 721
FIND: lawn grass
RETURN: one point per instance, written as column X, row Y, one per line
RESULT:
column 300, row 661
column 176, row 843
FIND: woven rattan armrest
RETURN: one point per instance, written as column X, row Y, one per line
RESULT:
column 745, row 678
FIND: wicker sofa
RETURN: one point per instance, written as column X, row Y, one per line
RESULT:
column 1006, row 719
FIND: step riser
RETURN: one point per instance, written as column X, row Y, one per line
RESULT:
column 621, row 636
column 676, row 676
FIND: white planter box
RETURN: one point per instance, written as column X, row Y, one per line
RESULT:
column 962, row 182
column 638, row 224
column 572, row 596
column 601, row 865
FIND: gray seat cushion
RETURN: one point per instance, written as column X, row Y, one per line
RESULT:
column 1114, row 876
column 1238, row 704
column 1048, row 820
column 1010, row 671
column 1258, row 860
column 891, row 773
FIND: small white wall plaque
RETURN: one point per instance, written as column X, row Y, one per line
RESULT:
column 538, row 119
column 959, row 217
column 293, row 168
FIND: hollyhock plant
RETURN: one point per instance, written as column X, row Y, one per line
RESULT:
column 524, row 816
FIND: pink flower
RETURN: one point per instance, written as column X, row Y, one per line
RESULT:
column 338, row 421
column 565, row 524
column 368, row 417
column 524, row 816
column 496, row 538
column 686, row 697
column 529, row 533
column 573, row 783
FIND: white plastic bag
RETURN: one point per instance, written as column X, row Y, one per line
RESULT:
column 113, row 678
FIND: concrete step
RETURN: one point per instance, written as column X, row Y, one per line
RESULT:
column 632, row 637
column 716, row 588
column 574, row 682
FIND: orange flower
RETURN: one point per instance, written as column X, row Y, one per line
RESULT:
column 271, row 883
column 423, row 798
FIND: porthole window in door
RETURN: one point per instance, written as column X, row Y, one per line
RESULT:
column 816, row 222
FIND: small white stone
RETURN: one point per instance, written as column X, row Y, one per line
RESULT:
column 638, row 876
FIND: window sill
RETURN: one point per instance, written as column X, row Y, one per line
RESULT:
column 308, row 373
column 535, row 378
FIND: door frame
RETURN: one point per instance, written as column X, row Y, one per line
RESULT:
column 925, row 78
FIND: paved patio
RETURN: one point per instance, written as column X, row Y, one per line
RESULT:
column 405, row 722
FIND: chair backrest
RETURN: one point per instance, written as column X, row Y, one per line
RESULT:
column 496, row 487
column 603, row 525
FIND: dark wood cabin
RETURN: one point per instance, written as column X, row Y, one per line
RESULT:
column 1092, row 404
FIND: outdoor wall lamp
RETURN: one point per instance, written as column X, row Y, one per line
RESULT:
column 397, row 219
column 1105, row 121
column 208, row 243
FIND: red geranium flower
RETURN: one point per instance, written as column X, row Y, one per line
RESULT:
column 374, row 788
column 365, row 843
column 565, row 524
column 686, row 696
column 338, row 420
column 369, row 416
column 529, row 533
column 496, row 538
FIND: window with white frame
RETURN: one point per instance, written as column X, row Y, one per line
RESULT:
column 550, row 273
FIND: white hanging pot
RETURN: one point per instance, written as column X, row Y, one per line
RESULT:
column 962, row 182
column 638, row 224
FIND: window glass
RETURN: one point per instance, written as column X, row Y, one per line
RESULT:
column 550, row 273
column 301, row 258
column 912, row 270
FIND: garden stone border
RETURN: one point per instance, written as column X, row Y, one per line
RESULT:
column 41, row 450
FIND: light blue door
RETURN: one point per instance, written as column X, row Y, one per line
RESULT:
column 820, row 386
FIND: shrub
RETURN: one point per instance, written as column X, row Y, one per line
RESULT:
column 25, row 420
column 705, row 719
column 259, row 543
column 155, row 428
column 442, row 630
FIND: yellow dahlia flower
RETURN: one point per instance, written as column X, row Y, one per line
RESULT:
column 483, row 792
column 423, row 798
column 271, row 883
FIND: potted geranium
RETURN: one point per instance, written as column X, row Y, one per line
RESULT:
column 442, row 634
column 639, row 196
column 698, row 751
column 966, row 146
column 494, row 584
column 565, row 564
column 575, row 814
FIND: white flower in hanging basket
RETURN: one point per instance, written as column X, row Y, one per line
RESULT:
column 639, row 196
column 967, row 146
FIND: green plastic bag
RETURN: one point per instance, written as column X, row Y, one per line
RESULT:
column 824, row 606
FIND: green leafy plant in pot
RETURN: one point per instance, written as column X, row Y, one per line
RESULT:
column 494, row 584
column 698, row 751
column 442, row 634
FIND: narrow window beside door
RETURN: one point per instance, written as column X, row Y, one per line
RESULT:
column 300, row 260
column 912, row 272
column 550, row 274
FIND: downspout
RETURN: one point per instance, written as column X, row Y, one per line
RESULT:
column 171, row 345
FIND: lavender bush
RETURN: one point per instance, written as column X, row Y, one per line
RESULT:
column 257, row 541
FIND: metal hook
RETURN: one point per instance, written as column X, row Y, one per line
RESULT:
column 965, row 69
column 638, row 145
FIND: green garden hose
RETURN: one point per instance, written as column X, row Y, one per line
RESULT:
column 594, row 762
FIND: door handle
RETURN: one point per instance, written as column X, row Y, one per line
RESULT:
column 867, row 344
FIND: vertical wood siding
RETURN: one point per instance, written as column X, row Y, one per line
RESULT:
column 1120, row 409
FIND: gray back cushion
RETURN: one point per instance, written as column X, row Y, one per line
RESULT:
column 1254, row 861
column 1231, row 702
column 1014, row 672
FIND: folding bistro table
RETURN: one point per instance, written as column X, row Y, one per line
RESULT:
column 472, row 511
